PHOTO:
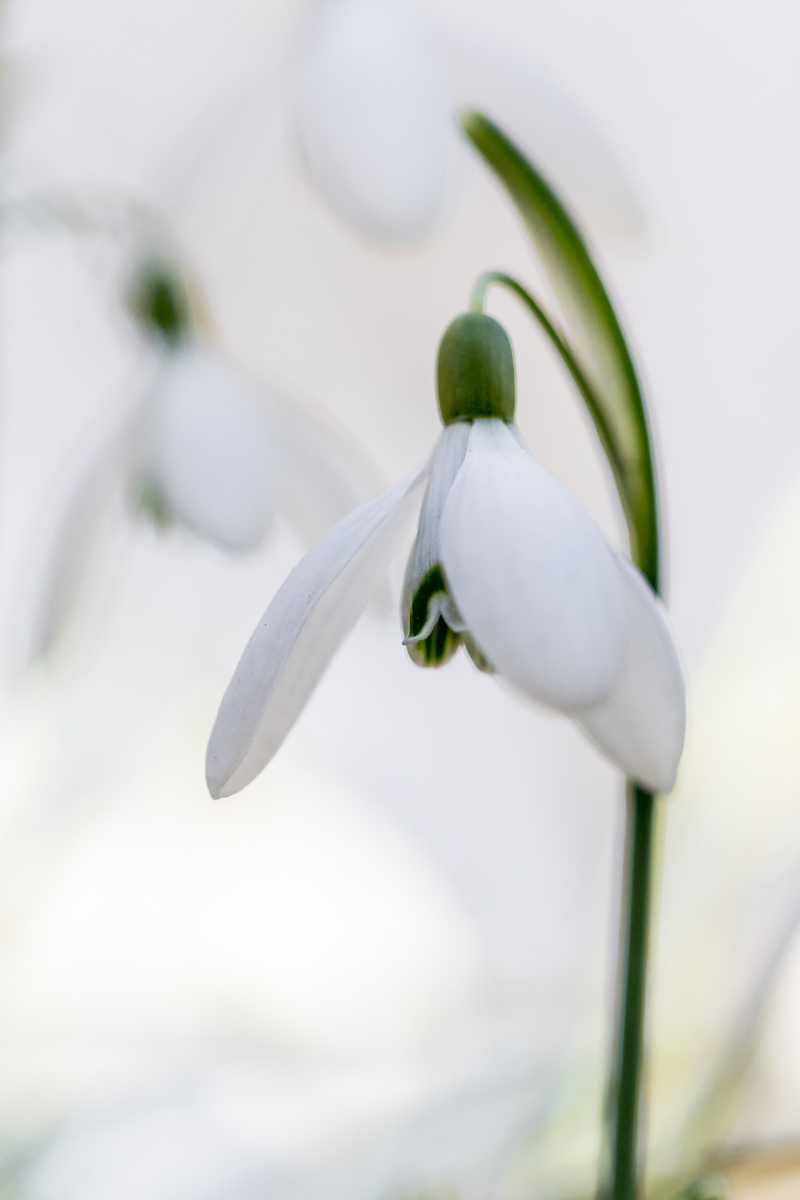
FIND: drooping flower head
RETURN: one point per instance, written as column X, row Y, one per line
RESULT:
column 204, row 446
column 375, row 85
column 505, row 560
column 203, row 454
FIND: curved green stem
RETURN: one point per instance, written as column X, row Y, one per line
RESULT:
column 595, row 408
column 625, row 1084
column 594, row 331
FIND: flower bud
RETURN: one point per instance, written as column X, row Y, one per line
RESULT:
column 475, row 371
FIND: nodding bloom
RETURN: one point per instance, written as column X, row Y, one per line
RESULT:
column 215, row 451
column 374, row 90
column 505, row 562
column 206, row 448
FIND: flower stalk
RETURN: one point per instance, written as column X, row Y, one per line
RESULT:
column 627, row 1063
column 594, row 350
column 625, row 1090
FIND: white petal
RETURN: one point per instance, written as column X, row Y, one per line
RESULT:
column 641, row 725
column 210, row 449
column 532, row 575
column 373, row 119
column 300, row 632
column 88, row 519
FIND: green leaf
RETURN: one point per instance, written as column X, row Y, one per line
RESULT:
column 594, row 336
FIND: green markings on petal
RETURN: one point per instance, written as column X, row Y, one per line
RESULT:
column 158, row 301
column 479, row 659
column 613, row 397
column 430, row 584
column 475, row 370
column 149, row 500
column 441, row 643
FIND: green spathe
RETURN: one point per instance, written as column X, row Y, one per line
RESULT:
column 158, row 300
column 475, row 370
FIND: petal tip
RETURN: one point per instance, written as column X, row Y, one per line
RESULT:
column 216, row 789
column 218, row 780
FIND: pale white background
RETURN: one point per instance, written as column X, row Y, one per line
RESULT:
column 441, row 860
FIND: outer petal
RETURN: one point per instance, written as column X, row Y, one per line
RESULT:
column 209, row 451
column 641, row 725
column 299, row 633
column 532, row 575
column 373, row 118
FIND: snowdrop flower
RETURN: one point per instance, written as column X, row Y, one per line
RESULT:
column 206, row 448
column 505, row 561
column 374, row 90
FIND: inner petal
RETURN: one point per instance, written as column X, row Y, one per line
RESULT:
column 448, row 457
column 440, row 607
column 434, row 624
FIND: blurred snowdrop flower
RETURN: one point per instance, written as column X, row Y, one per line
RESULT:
column 206, row 451
column 205, row 447
column 373, row 117
column 374, row 94
column 732, row 879
column 505, row 560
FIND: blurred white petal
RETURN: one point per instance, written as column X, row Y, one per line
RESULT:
column 321, row 473
column 562, row 139
column 300, row 632
column 731, row 855
column 373, row 118
column 209, row 449
column 77, row 547
column 532, row 575
column 224, row 452
column 641, row 725
column 146, row 1153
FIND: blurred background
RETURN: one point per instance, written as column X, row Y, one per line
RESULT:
column 386, row 969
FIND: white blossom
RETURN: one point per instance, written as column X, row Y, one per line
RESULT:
column 505, row 560
column 374, row 92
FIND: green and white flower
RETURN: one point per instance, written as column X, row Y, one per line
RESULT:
column 505, row 561
column 204, row 447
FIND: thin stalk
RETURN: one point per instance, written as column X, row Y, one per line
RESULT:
column 625, row 1089
column 561, row 345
